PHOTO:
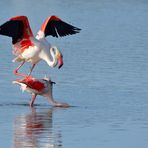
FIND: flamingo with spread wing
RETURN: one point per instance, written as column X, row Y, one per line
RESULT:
column 28, row 48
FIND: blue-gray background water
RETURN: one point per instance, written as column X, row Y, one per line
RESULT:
column 105, row 78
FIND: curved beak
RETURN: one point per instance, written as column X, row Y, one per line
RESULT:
column 60, row 61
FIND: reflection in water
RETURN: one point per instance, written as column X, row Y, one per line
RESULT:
column 35, row 130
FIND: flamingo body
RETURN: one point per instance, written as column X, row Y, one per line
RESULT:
column 28, row 48
column 41, row 87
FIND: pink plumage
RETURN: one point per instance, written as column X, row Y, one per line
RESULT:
column 41, row 87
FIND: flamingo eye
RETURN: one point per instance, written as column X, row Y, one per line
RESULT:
column 53, row 50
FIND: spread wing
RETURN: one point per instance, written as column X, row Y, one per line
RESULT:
column 17, row 27
column 55, row 27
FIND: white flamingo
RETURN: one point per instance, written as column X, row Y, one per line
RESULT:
column 28, row 48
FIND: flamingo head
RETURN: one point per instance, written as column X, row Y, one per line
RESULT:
column 58, row 56
column 49, row 80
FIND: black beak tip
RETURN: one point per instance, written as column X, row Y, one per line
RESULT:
column 60, row 66
column 53, row 82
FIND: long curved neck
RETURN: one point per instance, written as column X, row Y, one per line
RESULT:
column 56, row 103
column 51, row 60
column 52, row 100
column 50, row 96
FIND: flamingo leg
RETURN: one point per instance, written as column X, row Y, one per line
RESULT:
column 31, row 69
column 16, row 70
column 32, row 100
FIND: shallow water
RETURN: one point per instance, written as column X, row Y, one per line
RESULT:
column 104, row 78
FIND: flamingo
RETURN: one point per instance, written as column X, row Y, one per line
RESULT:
column 41, row 87
column 28, row 48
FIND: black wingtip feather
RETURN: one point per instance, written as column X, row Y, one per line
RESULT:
column 12, row 29
column 60, row 29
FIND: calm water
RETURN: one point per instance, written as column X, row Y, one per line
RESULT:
column 105, row 78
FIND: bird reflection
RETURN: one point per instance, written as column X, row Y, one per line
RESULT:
column 34, row 130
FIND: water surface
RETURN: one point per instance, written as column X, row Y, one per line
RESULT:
column 104, row 77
